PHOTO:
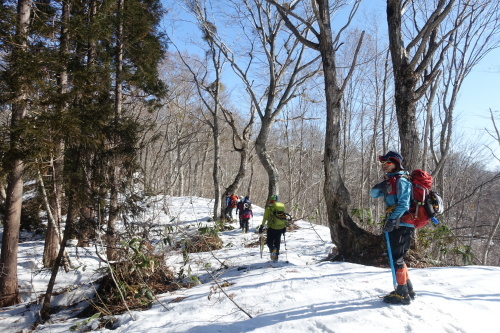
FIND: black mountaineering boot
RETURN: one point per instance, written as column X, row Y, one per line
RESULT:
column 399, row 296
column 410, row 290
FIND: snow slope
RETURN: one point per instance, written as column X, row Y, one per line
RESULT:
column 301, row 293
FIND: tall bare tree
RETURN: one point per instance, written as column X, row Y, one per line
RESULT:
column 213, row 106
column 277, row 54
column 213, row 103
column 418, row 42
column 476, row 34
column 54, row 235
column 9, row 289
column 115, row 169
column 352, row 241
column 495, row 134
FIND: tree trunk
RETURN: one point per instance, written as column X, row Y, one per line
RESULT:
column 53, row 236
column 52, row 240
column 427, row 128
column 3, row 193
column 405, row 82
column 201, row 179
column 180, row 170
column 8, row 260
column 250, row 179
column 216, row 165
column 353, row 243
column 68, row 232
column 490, row 240
column 413, row 69
column 216, row 174
column 265, row 159
column 242, row 171
column 14, row 196
column 115, row 170
column 51, row 246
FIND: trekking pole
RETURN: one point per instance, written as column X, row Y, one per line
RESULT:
column 286, row 251
column 261, row 240
column 391, row 261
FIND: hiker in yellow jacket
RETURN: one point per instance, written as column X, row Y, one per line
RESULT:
column 275, row 226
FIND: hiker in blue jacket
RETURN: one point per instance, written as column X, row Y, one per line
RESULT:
column 396, row 190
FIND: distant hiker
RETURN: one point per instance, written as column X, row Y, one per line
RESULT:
column 231, row 201
column 239, row 208
column 276, row 226
column 227, row 211
column 246, row 214
column 396, row 190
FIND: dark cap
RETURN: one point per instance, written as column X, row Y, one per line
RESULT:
column 393, row 156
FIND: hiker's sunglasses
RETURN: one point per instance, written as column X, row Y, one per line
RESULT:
column 386, row 162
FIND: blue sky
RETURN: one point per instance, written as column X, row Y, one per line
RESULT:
column 479, row 93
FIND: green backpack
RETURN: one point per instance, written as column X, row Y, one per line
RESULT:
column 279, row 215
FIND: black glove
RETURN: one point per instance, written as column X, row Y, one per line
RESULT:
column 389, row 225
column 261, row 229
column 283, row 230
column 382, row 186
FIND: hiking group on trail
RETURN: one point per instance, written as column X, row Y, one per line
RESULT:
column 274, row 221
column 243, row 207
column 410, row 204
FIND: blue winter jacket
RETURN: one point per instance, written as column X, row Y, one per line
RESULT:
column 401, row 197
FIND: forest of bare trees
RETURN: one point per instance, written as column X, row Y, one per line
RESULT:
column 104, row 103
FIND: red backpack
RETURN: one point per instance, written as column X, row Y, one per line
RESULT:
column 425, row 203
column 233, row 201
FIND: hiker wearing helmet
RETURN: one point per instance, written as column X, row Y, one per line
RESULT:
column 396, row 190
column 275, row 226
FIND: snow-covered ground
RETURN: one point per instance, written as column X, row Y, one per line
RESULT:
column 300, row 293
